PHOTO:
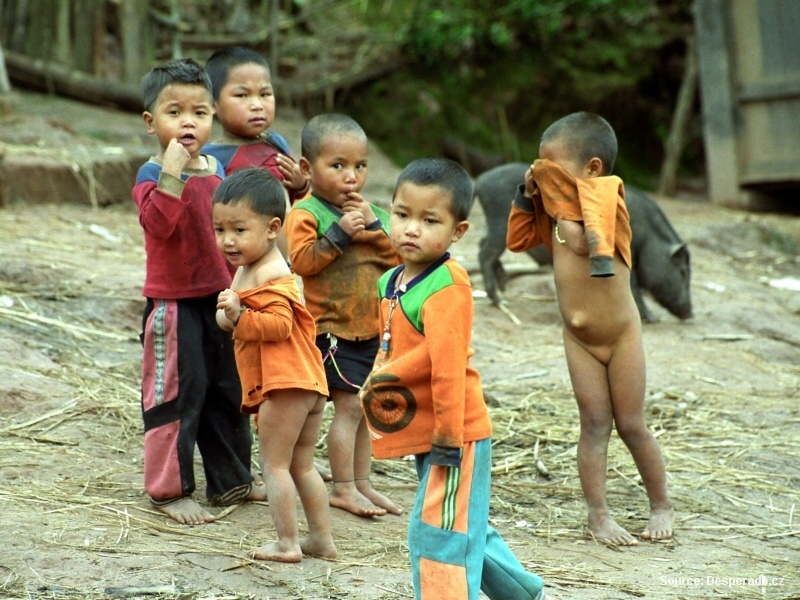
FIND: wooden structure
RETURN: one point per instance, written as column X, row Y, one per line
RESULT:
column 98, row 50
column 749, row 59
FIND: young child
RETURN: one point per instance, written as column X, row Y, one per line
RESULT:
column 339, row 245
column 244, row 102
column 424, row 398
column 271, row 327
column 190, row 388
column 571, row 202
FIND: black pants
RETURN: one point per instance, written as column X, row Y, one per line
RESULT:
column 191, row 395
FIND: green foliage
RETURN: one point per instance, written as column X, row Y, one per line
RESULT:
column 481, row 64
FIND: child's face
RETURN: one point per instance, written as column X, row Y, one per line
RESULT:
column 422, row 226
column 339, row 169
column 558, row 152
column 243, row 235
column 246, row 104
column 183, row 112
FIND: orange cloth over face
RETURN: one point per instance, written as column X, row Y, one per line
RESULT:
column 599, row 202
column 274, row 343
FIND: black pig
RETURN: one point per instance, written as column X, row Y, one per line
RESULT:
column 660, row 257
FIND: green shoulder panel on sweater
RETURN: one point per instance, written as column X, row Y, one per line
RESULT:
column 323, row 215
column 383, row 282
column 326, row 217
column 383, row 216
column 412, row 301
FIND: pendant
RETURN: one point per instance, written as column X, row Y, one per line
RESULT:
column 385, row 343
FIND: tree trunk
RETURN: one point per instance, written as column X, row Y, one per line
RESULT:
column 62, row 80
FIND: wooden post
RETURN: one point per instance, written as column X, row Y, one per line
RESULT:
column 132, row 15
column 5, row 86
column 680, row 119
column 716, row 88
column 62, row 48
column 273, row 38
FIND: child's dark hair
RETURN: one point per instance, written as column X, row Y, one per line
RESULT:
column 319, row 127
column 179, row 71
column 219, row 65
column 587, row 135
column 257, row 188
column 443, row 173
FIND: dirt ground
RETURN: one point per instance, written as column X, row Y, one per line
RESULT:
column 722, row 396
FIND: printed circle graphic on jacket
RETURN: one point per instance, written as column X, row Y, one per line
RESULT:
column 389, row 408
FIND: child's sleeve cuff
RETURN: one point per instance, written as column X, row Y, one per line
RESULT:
column 522, row 201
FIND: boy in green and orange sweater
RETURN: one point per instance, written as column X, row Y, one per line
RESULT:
column 423, row 398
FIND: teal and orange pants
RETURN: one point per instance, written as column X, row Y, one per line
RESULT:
column 455, row 553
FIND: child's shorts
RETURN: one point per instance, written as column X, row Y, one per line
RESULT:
column 347, row 363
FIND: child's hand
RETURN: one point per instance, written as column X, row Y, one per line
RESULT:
column 530, row 184
column 352, row 222
column 228, row 302
column 293, row 177
column 355, row 202
column 573, row 235
column 175, row 158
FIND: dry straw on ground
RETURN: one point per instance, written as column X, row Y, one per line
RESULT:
column 724, row 472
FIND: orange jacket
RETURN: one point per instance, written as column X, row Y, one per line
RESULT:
column 339, row 272
column 599, row 202
column 422, row 391
column 274, row 343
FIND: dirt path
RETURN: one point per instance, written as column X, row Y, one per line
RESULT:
column 723, row 396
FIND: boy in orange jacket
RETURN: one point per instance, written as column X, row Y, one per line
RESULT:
column 423, row 398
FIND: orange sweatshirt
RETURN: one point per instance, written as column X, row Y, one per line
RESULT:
column 339, row 272
column 422, row 391
column 599, row 202
column 274, row 343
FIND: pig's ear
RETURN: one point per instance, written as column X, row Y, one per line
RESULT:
column 677, row 248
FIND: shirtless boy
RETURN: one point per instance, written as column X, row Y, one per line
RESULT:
column 589, row 238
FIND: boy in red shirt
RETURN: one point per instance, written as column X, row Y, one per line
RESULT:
column 424, row 398
column 190, row 388
column 244, row 104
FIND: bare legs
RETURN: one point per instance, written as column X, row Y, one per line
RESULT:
column 609, row 385
column 289, row 424
column 350, row 455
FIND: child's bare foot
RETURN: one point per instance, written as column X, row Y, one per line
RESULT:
column 350, row 499
column 659, row 527
column 378, row 499
column 258, row 491
column 186, row 511
column 321, row 547
column 606, row 530
column 258, row 478
column 276, row 553
column 323, row 472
